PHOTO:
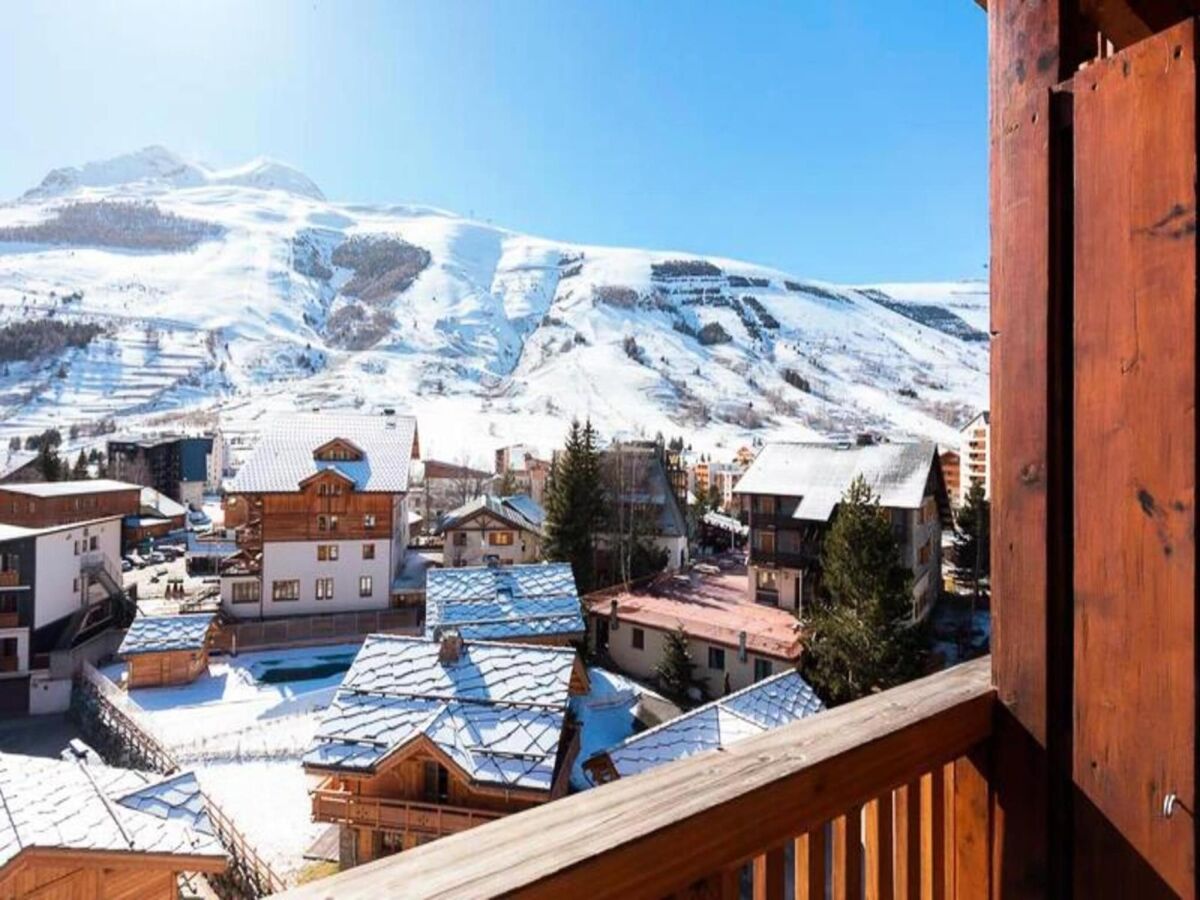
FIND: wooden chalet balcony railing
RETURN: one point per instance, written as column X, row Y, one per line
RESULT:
column 9, row 619
column 10, row 578
column 343, row 807
column 879, row 798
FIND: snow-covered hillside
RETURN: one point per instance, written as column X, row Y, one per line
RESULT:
column 243, row 292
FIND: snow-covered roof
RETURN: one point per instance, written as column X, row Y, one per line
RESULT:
column 283, row 457
column 155, row 503
column 70, row 805
column 519, row 511
column 11, row 532
column 767, row 704
column 158, row 634
column 714, row 519
column 497, row 711
column 16, row 459
column 501, row 603
column 819, row 474
column 69, row 488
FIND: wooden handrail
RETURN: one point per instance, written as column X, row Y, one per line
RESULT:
column 654, row 833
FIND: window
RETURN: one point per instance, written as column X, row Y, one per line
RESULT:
column 500, row 538
column 285, row 590
column 460, row 539
column 327, row 523
column 324, row 588
column 244, row 592
column 368, row 551
column 762, row 669
column 437, row 783
column 764, row 506
column 924, row 553
column 366, row 585
column 75, row 585
column 716, row 658
column 333, row 523
column 8, row 648
column 639, row 639
column 368, row 520
column 93, row 542
column 77, row 548
column 327, row 552
column 764, row 541
column 766, row 580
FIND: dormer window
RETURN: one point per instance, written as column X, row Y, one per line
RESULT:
column 338, row 450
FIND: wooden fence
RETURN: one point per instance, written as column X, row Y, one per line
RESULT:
column 112, row 724
column 331, row 628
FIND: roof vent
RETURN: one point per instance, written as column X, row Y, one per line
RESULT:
column 451, row 646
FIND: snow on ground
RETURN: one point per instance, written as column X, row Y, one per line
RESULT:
column 244, row 738
column 606, row 717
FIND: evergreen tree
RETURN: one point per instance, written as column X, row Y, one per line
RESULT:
column 508, row 484
column 715, row 497
column 574, row 504
column 676, row 670
column 14, row 443
column 80, row 469
column 48, row 463
column 859, row 633
column 972, row 541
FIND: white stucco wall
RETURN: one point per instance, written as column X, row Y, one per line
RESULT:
column 283, row 560
column 58, row 591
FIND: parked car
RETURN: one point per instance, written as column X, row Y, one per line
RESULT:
column 126, row 564
column 156, row 558
column 137, row 559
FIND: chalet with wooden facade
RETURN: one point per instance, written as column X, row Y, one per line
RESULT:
column 764, row 705
column 733, row 641
column 1065, row 764
column 165, row 650
column 60, row 586
column 646, row 491
column 428, row 738
column 45, row 503
column 321, row 513
column 792, row 492
column 70, row 829
column 490, row 529
column 536, row 604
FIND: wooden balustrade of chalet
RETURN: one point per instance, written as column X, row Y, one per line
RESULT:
column 329, row 805
column 883, row 797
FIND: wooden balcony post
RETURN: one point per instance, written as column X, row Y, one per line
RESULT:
column 768, row 875
column 879, row 850
column 848, row 855
column 809, row 872
column 907, row 802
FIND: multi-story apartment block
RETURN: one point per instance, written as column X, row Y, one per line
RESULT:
column 793, row 490
column 952, row 473
column 975, row 463
column 40, row 504
column 59, row 587
column 180, row 466
column 321, row 512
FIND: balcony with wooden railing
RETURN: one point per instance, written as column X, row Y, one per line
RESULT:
column 382, row 814
column 884, row 797
column 10, row 578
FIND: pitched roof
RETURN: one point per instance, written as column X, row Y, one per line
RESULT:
column 709, row 607
column 12, row 532
column 497, row 712
column 69, row 488
column 767, row 704
column 519, row 511
column 16, row 459
column 157, row 634
column 67, row 804
column 504, row 602
column 157, row 504
column 283, row 457
column 647, row 484
column 819, row 474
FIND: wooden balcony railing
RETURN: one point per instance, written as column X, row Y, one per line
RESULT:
column 9, row 619
column 343, row 807
column 884, row 793
column 10, row 578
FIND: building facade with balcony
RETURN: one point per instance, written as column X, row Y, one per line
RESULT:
column 792, row 492
column 428, row 738
column 320, row 510
column 975, row 466
column 182, row 467
column 491, row 529
column 60, row 586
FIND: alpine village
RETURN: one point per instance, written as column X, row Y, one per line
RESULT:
column 315, row 660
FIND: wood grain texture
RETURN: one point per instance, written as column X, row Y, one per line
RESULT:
column 810, row 869
column 848, row 855
column 880, row 864
column 655, row 833
column 1135, row 447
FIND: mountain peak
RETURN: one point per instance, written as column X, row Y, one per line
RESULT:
column 159, row 168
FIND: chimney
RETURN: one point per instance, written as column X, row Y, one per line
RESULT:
column 451, row 646
column 613, row 621
column 742, row 646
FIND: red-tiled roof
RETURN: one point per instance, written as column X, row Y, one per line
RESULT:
column 712, row 608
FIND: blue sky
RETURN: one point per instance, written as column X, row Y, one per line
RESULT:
column 837, row 139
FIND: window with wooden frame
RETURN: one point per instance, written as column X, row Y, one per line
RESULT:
column 500, row 538
column 460, row 539
column 244, row 592
column 368, row 520
column 716, row 658
column 366, row 585
column 285, row 590
column 327, row 552
column 436, row 783
column 638, row 638
column 762, row 669
column 324, row 588
column 368, row 551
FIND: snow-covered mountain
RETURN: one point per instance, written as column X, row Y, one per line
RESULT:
column 150, row 288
